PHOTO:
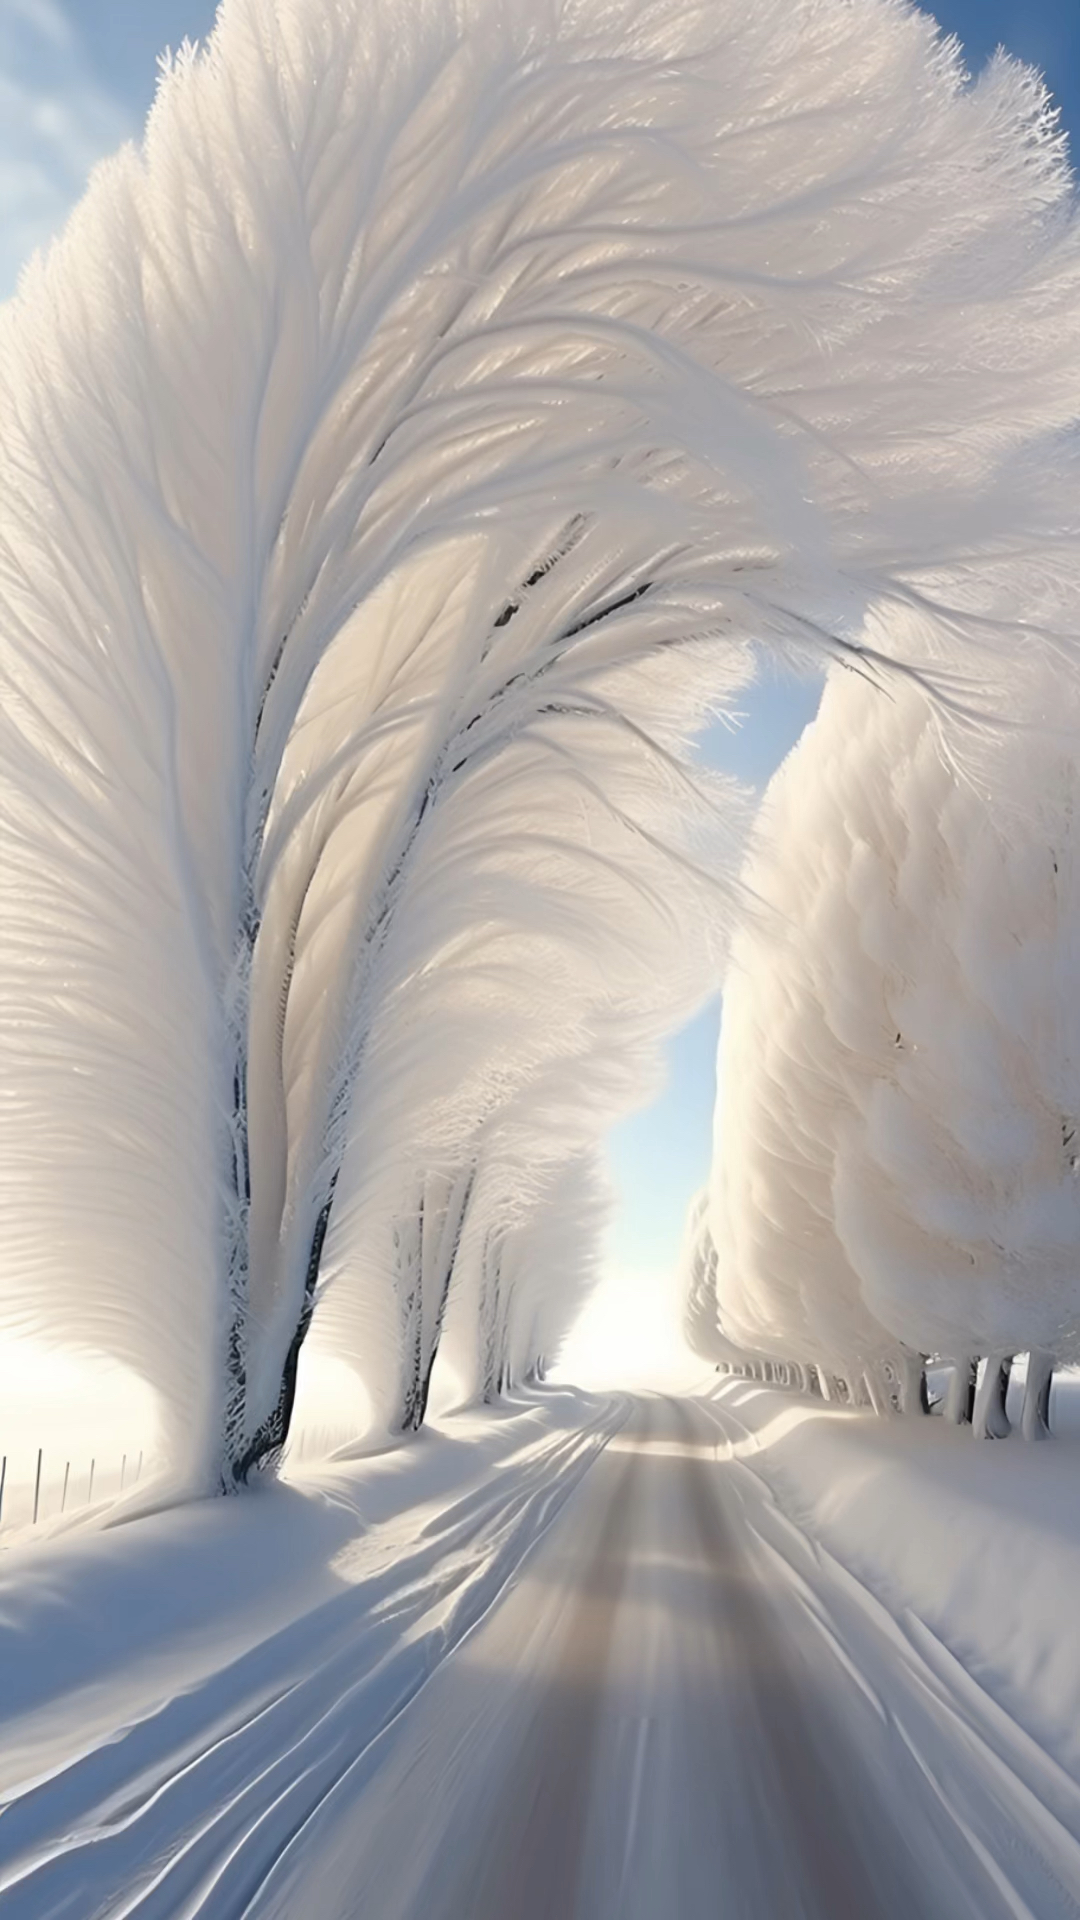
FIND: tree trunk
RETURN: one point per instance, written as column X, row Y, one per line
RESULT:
column 888, row 1378
column 412, row 1401
column 960, row 1398
column 873, row 1395
column 1035, row 1419
column 448, row 1262
column 266, row 1445
column 489, row 1331
column 990, row 1419
column 914, row 1395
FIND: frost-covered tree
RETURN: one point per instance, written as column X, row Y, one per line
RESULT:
column 701, row 1311
column 783, row 1285
column 529, row 1261
column 966, row 1128
column 902, row 1065
column 550, row 1264
column 701, row 1318
column 501, row 1062
column 416, row 375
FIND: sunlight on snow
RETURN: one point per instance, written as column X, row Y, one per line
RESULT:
column 630, row 1334
column 78, row 1409
column 332, row 1407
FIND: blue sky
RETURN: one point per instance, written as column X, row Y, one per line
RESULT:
column 77, row 76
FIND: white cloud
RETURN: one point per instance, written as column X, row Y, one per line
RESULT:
column 43, row 18
column 55, row 122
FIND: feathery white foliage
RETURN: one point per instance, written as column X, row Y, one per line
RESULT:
column 754, row 317
column 701, row 1310
column 500, row 1059
column 550, row 1266
column 530, row 1258
column 898, row 1134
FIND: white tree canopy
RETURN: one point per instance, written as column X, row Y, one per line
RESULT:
column 898, row 1144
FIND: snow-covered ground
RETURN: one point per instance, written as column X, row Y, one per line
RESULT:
column 93, row 1423
column 166, row 1680
column 591, row 1656
column 972, row 1547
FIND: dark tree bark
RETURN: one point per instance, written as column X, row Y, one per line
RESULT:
column 970, row 1387
column 266, row 1445
column 447, row 1266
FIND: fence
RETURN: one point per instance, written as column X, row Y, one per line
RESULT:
column 110, row 1483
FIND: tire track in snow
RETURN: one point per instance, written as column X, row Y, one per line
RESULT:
column 187, row 1808
column 529, row 1859
column 829, row 1828
column 998, row 1813
column 642, row 1714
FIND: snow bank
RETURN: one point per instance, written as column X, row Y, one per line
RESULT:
column 978, row 1545
column 202, row 1613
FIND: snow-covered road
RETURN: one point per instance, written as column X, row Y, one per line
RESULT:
column 614, row 1680
column 657, row 1718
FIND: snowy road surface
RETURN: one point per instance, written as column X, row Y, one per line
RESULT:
column 662, row 1700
